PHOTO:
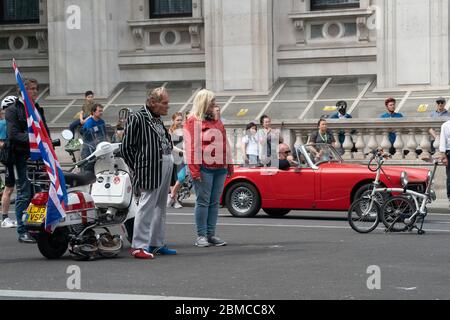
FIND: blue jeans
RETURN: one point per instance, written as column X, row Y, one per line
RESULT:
column 252, row 159
column 23, row 196
column 208, row 193
column 74, row 125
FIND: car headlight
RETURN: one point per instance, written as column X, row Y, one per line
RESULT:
column 404, row 179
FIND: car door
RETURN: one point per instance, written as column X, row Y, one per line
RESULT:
column 295, row 188
column 335, row 183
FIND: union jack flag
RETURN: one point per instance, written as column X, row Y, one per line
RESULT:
column 41, row 147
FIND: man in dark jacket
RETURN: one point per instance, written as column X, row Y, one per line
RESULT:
column 16, row 122
column 147, row 150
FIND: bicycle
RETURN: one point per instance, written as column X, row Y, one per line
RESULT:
column 407, row 212
column 364, row 213
column 402, row 212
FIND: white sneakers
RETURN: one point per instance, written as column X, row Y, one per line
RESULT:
column 177, row 205
column 171, row 202
column 9, row 223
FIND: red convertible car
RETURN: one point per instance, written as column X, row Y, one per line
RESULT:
column 320, row 180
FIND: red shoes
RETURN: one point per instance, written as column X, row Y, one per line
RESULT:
column 141, row 254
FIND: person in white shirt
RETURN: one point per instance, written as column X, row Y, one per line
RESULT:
column 444, row 149
column 250, row 145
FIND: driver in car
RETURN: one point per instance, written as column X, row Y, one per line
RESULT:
column 285, row 157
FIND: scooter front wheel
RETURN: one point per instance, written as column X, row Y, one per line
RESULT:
column 54, row 245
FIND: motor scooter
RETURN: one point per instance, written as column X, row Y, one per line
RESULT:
column 97, row 200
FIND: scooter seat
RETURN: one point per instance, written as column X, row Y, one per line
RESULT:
column 74, row 180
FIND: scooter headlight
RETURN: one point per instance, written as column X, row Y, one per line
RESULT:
column 404, row 179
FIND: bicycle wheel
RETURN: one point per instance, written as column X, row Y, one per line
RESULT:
column 364, row 215
column 395, row 211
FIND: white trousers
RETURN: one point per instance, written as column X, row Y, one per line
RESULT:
column 150, row 220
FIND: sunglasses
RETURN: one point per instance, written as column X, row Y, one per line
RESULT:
column 287, row 152
column 440, row 102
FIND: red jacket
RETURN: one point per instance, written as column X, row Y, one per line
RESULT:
column 206, row 145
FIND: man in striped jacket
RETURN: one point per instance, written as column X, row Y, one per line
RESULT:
column 147, row 150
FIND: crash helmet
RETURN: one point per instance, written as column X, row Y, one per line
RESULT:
column 9, row 100
column 109, row 246
column 84, row 248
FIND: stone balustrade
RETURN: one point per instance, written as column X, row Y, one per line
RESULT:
column 361, row 136
column 364, row 135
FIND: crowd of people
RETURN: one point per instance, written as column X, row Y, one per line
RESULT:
column 160, row 159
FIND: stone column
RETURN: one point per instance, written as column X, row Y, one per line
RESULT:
column 372, row 144
column 347, row 145
column 411, row 145
column 360, row 145
column 398, row 145
column 419, row 26
column 298, row 139
column 238, row 45
column 83, row 46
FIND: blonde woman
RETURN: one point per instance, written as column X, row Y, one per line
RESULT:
column 176, row 132
column 208, row 159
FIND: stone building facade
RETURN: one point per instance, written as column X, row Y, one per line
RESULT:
column 236, row 46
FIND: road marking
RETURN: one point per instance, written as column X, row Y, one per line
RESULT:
column 288, row 226
column 85, row 295
column 344, row 214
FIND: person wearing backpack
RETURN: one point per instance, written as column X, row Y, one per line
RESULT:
column 10, row 180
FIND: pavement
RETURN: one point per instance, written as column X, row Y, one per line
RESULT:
column 440, row 206
column 302, row 256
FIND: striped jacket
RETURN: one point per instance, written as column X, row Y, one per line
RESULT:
column 142, row 151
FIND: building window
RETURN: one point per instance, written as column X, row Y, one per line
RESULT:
column 170, row 8
column 333, row 4
column 19, row 11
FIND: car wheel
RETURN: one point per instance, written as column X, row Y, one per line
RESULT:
column 366, row 190
column 243, row 200
column 277, row 213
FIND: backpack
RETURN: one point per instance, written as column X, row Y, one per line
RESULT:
column 5, row 153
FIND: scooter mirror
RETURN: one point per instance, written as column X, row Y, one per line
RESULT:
column 67, row 135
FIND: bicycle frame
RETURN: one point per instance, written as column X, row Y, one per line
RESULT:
column 420, row 209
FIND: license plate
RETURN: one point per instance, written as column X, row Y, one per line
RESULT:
column 36, row 214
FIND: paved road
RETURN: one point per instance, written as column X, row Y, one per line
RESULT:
column 306, row 255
